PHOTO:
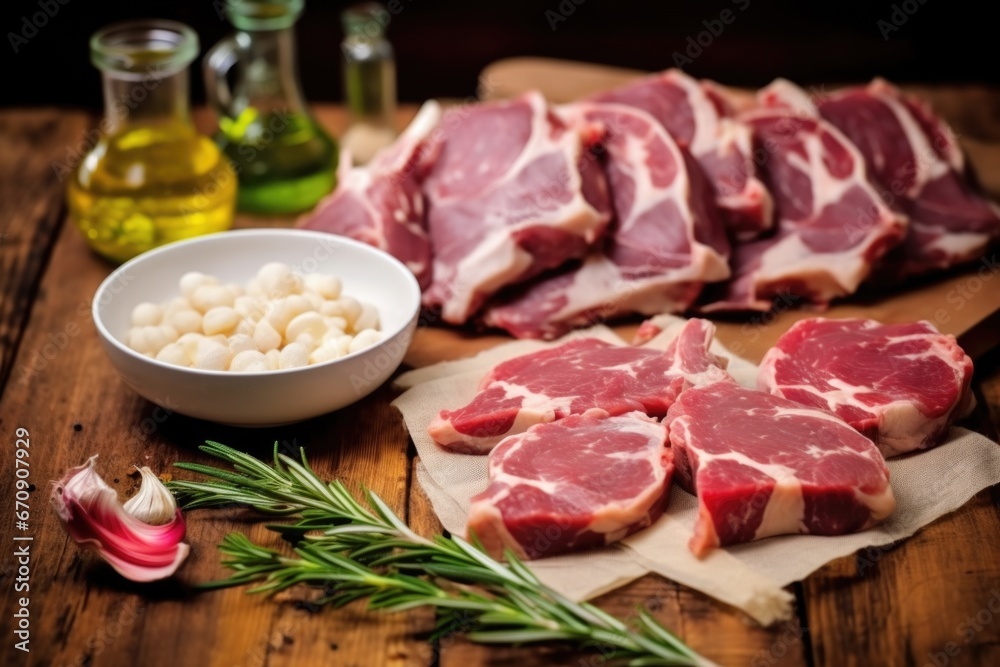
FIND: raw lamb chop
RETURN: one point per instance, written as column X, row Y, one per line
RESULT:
column 574, row 377
column 762, row 465
column 700, row 120
column 509, row 197
column 667, row 240
column 902, row 385
column 584, row 481
column 832, row 224
column 915, row 159
column 381, row 204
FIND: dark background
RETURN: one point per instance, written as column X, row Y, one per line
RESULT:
column 442, row 45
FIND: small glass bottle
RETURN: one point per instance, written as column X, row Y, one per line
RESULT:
column 150, row 178
column 369, row 81
column 286, row 162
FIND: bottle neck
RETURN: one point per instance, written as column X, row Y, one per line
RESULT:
column 268, row 68
column 369, row 79
column 152, row 99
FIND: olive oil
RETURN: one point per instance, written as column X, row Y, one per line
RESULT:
column 150, row 185
column 285, row 161
column 151, row 178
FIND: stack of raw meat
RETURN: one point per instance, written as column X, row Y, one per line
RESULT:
column 585, row 437
column 666, row 195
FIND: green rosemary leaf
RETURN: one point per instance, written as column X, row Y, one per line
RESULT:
column 360, row 549
column 515, row 564
column 517, row 636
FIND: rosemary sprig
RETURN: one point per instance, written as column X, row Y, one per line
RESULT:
column 358, row 550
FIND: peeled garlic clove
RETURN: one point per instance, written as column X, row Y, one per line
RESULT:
column 147, row 314
column 327, row 286
column 367, row 319
column 175, row 305
column 266, row 336
column 185, row 321
column 314, row 299
column 323, row 353
column 173, row 353
column 193, row 280
column 365, row 338
column 207, row 297
column 309, row 322
column 335, row 324
column 352, row 310
column 277, row 280
column 212, row 355
column 241, row 343
column 294, row 355
column 339, row 343
column 285, row 310
column 153, row 504
column 90, row 512
column 249, row 361
column 220, row 320
column 152, row 339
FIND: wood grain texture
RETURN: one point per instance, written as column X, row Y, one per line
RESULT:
column 37, row 148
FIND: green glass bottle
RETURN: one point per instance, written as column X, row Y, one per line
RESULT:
column 285, row 161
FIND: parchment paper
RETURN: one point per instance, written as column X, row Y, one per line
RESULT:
column 750, row 576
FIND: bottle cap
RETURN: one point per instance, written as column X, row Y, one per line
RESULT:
column 263, row 14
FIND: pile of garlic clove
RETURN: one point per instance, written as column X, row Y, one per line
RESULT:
column 279, row 320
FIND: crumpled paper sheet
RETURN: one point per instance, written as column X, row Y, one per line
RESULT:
column 749, row 576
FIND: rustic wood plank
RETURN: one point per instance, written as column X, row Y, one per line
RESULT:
column 718, row 632
column 989, row 394
column 911, row 605
column 32, row 143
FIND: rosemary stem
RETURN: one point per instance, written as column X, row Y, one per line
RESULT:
column 356, row 549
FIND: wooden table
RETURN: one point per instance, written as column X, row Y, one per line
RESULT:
column 912, row 604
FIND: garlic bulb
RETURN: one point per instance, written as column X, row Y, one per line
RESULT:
column 91, row 513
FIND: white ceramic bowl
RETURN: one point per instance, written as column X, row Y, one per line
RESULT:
column 264, row 398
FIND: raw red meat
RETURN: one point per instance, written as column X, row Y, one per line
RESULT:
column 902, row 385
column 667, row 240
column 832, row 224
column 584, row 481
column 509, row 197
column 381, row 204
column 647, row 331
column 574, row 377
column 913, row 155
column 700, row 120
column 762, row 465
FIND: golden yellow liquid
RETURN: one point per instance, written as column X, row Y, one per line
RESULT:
column 150, row 185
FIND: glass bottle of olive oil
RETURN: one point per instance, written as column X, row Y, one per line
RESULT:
column 150, row 178
column 286, row 162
